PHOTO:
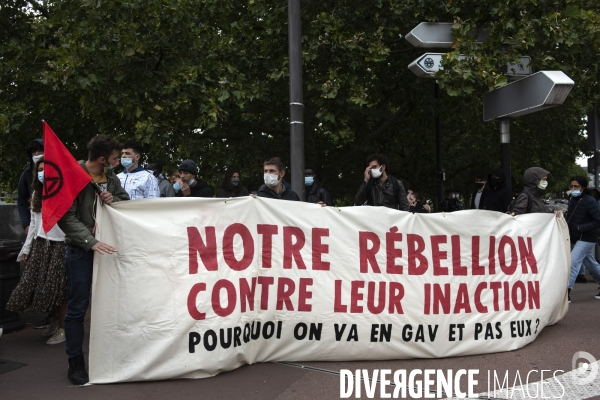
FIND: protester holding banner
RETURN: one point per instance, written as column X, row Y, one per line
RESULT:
column 379, row 188
column 138, row 182
column 79, row 226
column 43, row 286
column 274, row 187
column 535, row 182
column 188, row 184
column 583, row 219
column 232, row 186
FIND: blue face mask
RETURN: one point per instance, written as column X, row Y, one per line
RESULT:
column 177, row 186
column 575, row 193
column 127, row 162
column 191, row 182
column 40, row 176
column 309, row 180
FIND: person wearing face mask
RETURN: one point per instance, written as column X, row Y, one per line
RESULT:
column 274, row 171
column 35, row 151
column 583, row 220
column 188, row 184
column 499, row 196
column 43, row 286
column 451, row 203
column 232, row 186
column 535, row 182
column 315, row 193
column 135, row 179
column 380, row 188
column 164, row 186
column 478, row 197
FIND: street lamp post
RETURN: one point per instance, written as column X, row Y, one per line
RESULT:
column 296, row 102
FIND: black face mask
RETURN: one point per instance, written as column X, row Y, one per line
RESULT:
column 494, row 180
column 479, row 185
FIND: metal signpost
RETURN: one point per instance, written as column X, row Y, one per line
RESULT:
column 428, row 64
column 593, row 132
column 296, row 102
column 432, row 35
column 544, row 89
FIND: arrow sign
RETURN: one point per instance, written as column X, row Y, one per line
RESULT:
column 541, row 90
column 436, row 35
column 427, row 65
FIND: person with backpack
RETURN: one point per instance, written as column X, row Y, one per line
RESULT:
column 535, row 182
column 583, row 220
column 379, row 188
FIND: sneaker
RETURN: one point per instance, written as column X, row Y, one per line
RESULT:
column 58, row 337
column 51, row 328
column 43, row 323
column 77, row 374
column 580, row 279
column 597, row 296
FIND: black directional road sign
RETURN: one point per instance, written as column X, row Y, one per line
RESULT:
column 541, row 90
column 437, row 35
column 427, row 65
column 431, row 34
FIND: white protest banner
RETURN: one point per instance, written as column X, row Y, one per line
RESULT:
column 201, row 286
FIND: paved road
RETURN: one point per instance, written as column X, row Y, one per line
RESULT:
column 43, row 374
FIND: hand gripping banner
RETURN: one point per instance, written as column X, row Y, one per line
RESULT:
column 201, row 286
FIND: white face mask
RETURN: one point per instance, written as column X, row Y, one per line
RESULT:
column 543, row 185
column 37, row 158
column 376, row 173
column 271, row 180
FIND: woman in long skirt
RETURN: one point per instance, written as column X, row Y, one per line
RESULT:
column 43, row 286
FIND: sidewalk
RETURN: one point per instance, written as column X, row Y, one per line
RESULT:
column 41, row 371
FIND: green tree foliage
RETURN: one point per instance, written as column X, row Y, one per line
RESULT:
column 208, row 80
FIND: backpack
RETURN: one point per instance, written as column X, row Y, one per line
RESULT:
column 396, row 184
column 511, row 207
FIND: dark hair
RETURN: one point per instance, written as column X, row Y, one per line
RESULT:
column 276, row 161
column 380, row 158
column 227, row 181
column 418, row 197
column 102, row 146
column 314, row 169
column 35, row 145
column 154, row 166
column 134, row 145
column 481, row 177
column 581, row 180
column 36, row 185
column 594, row 193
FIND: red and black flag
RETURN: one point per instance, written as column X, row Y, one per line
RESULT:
column 63, row 179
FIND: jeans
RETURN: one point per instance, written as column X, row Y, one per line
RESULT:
column 581, row 254
column 79, row 266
